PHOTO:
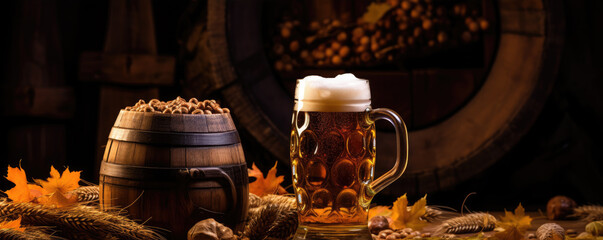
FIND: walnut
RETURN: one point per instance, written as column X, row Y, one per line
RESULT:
column 209, row 229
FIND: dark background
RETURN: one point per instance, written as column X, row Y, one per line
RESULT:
column 561, row 154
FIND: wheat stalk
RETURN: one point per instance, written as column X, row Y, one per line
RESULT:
column 470, row 223
column 261, row 222
column 285, row 225
column 589, row 212
column 84, row 221
column 28, row 234
column 87, row 193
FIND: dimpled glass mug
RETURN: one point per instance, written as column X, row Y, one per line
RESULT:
column 332, row 152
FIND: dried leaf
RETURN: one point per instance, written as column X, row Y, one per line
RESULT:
column 380, row 211
column 58, row 186
column 515, row 225
column 403, row 218
column 22, row 192
column 375, row 11
column 269, row 185
column 14, row 225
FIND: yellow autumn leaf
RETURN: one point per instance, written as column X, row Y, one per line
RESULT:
column 380, row 211
column 58, row 186
column 269, row 185
column 14, row 225
column 515, row 225
column 22, row 192
column 404, row 218
column 375, row 11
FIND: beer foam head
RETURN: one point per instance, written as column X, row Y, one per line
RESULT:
column 343, row 93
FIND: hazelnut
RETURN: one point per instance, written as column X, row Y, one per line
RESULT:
column 415, row 13
column 183, row 109
column 335, row 46
column 473, row 26
column 365, row 57
column 167, row 111
column 278, row 49
column 405, row 5
column 364, row 40
column 207, row 112
column 483, row 24
column 197, row 111
column 442, row 37
column 378, row 224
column 226, row 110
column 288, row 67
column 417, row 32
column 314, row 25
column 403, row 26
column 329, row 52
column 294, row 46
column 560, row 207
column 279, row 66
column 427, row 24
column 358, row 32
column 336, row 60
column 285, row 32
column 147, row 108
column 304, row 54
column 336, row 23
column 344, row 51
column 466, row 36
column 374, row 46
column 342, row 36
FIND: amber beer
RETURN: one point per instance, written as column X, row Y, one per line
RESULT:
column 333, row 156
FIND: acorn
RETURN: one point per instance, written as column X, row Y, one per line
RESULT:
column 560, row 207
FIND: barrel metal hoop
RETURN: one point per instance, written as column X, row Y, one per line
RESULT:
column 238, row 173
column 174, row 139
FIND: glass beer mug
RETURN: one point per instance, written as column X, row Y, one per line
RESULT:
column 332, row 153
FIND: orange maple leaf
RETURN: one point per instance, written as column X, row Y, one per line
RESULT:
column 58, row 186
column 14, row 225
column 22, row 192
column 403, row 217
column 515, row 225
column 269, row 185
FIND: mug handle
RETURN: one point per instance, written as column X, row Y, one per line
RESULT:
column 402, row 150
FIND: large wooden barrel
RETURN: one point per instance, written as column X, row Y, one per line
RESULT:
column 175, row 170
column 470, row 137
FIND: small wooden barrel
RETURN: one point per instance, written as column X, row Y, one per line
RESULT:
column 175, row 170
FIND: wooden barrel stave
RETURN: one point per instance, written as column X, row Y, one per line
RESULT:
column 166, row 202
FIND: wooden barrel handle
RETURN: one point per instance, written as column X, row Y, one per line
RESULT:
column 215, row 173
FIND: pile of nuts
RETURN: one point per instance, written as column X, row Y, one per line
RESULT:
column 179, row 106
column 408, row 28
column 380, row 229
column 390, row 234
